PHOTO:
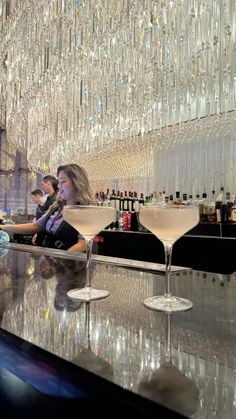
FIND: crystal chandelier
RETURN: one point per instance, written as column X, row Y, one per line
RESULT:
column 107, row 83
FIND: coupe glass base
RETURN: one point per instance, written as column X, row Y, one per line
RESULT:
column 87, row 294
column 167, row 304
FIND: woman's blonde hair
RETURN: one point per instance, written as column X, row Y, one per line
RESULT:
column 79, row 178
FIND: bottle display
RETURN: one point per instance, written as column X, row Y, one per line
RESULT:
column 128, row 204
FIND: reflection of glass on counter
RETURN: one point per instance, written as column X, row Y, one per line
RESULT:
column 89, row 359
column 168, row 386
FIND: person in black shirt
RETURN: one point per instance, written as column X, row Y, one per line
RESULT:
column 37, row 198
column 49, row 187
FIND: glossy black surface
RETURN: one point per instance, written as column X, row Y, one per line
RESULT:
column 126, row 342
column 208, row 253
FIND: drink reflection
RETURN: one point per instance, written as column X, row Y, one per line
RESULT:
column 89, row 359
column 168, row 386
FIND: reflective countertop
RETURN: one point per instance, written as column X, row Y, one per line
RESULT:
column 117, row 337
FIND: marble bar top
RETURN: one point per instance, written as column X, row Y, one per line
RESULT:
column 98, row 258
column 118, row 338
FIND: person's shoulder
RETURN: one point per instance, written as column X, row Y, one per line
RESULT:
column 45, row 207
column 49, row 201
column 52, row 198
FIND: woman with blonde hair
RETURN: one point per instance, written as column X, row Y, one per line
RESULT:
column 73, row 186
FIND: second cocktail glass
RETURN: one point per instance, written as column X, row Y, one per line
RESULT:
column 168, row 222
column 89, row 220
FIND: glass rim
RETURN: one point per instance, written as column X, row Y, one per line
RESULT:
column 182, row 206
column 86, row 206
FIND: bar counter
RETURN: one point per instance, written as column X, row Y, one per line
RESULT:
column 207, row 247
column 117, row 357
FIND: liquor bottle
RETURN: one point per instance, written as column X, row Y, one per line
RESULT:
column 184, row 200
column 100, row 198
column 154, row 198
column 196, row 200
column 229, row 205
column 206, row 203
column 141, row 200
column 134, row 221
column 118, row 201
column 219, row 201
column 177, row 200
column 211, row 209
column 126, row 221
column 121, row 208
column 106, row 201
column 147, row 200
column 113, row 199
column 136, row 202
column 126, row 202
column 233, row 212
column 108, row 194
column 130, row 201
column 163, row 195
column 202, row 207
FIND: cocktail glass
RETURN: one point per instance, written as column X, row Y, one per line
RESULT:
column 168, row 222
column 89, row 220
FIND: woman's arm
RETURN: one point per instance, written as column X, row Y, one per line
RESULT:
column 29, row 228
column 78, row 247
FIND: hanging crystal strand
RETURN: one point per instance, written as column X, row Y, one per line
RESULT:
column 227, row 66
column 187, row 40
column 216, row 58
column 221, row 61
column 233, row 57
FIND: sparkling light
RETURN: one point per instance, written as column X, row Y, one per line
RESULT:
column 100, row 82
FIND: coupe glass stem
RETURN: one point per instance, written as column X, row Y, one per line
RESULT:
column 168, row 339
column 89, row 246
column 168, row 254
column 87, row 324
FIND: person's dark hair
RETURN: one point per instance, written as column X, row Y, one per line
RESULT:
column 80, row 181
column 37, row 192
column 52, row 180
